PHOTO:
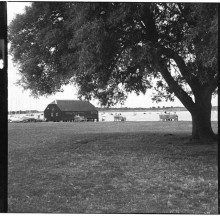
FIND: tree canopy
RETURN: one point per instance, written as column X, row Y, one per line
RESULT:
column 109, row 49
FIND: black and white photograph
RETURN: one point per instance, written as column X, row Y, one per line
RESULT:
column 112, row 107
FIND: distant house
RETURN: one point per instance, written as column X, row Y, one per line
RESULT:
column 70, row 110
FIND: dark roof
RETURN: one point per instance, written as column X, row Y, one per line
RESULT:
column 74, row 105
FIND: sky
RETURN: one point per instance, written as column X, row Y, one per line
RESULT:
column 18, row 99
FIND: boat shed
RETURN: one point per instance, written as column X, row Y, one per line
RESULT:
column 70, row 110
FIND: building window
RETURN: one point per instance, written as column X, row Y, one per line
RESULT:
column 51, row 114
column 57, row 114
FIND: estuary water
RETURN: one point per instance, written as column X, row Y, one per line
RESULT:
column 149, row 116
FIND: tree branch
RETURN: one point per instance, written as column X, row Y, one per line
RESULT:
column 212, row 86
column 178, row 91
column 169, row 53
column 180, row 7
column 142, row 25
column 193, row 83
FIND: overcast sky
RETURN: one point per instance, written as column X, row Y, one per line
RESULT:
column 21, row 100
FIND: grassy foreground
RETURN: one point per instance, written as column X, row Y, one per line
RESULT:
column 110, row 167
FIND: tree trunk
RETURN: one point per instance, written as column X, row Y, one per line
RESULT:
column 201, row 108
column 201, row 120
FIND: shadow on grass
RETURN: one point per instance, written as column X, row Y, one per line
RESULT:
column 123, row 172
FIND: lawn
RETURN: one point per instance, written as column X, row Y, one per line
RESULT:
column 110, row 167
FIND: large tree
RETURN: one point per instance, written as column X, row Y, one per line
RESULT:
column 111, row 49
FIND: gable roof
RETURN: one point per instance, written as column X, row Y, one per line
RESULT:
column 74, row 105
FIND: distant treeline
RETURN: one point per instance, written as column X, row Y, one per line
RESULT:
column 174, row 109
column 23, row 112
column 125, row 109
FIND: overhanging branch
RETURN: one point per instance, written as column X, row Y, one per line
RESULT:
column 178, row 91
column 169, row 53
column 212, row 86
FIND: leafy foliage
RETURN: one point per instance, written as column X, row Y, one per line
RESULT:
column 110, row 49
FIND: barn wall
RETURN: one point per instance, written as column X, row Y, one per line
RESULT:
column 53, row 113
column 69, row 115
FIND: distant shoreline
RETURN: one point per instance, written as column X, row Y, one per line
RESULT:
column 124, row 109
column 170, row 109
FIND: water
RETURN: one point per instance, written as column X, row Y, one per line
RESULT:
column 141, row 116
column 149, row 116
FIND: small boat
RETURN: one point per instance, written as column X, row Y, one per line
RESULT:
column 167, row 116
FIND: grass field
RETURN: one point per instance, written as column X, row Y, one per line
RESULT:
column 110, row 167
